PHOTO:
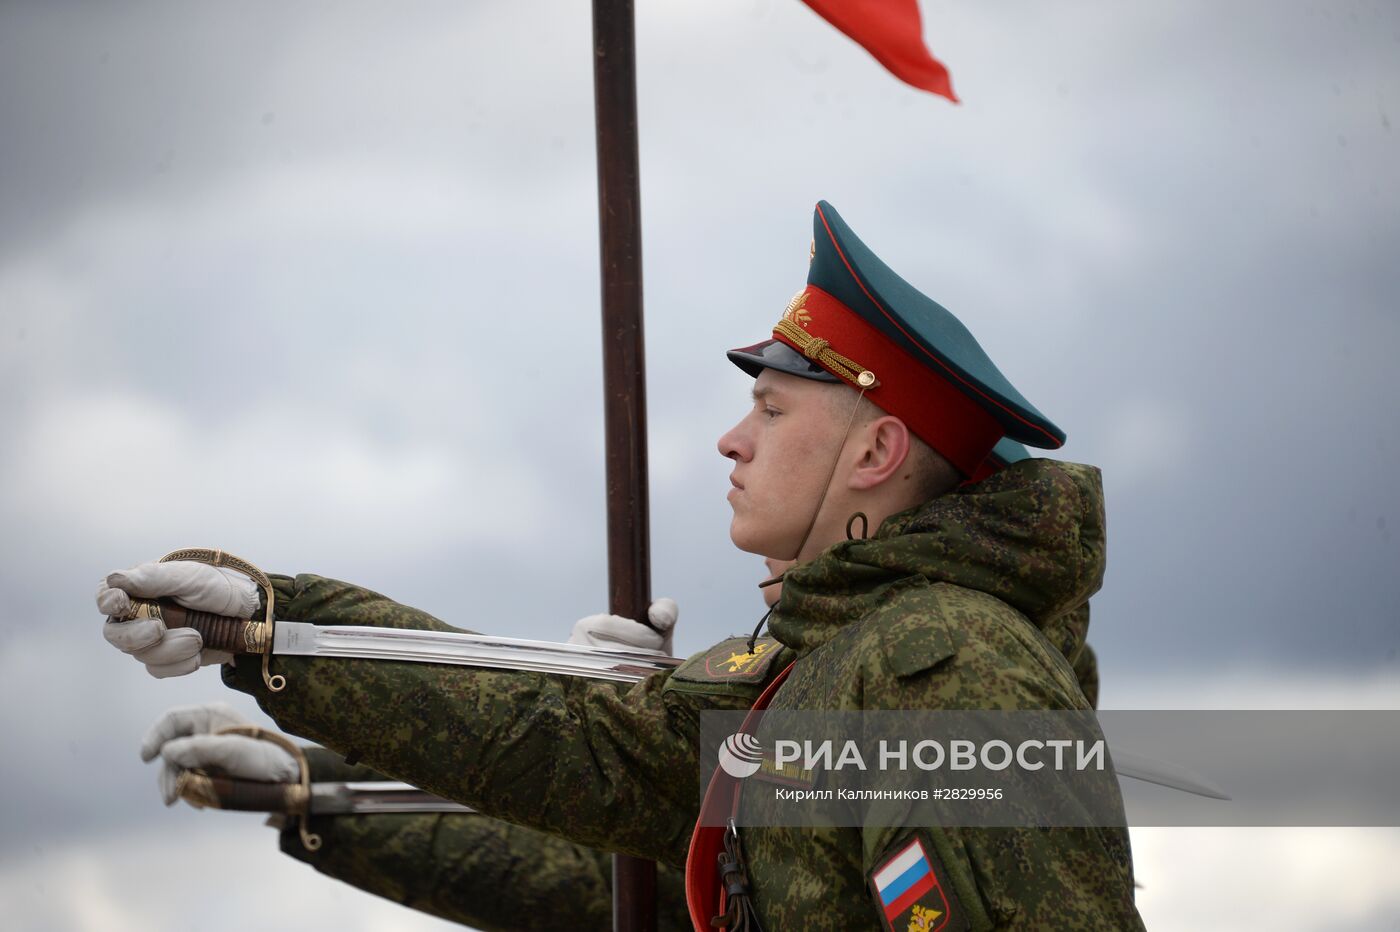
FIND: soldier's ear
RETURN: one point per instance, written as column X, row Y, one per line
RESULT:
column 882, row 454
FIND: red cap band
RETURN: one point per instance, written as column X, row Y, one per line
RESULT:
column 932, row 407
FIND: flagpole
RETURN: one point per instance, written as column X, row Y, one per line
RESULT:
column 624, row 373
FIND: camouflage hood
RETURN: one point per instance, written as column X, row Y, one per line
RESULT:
column 1032, row 535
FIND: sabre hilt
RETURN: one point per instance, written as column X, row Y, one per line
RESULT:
column 219, row 632
column 212, row 791
column 204, row 790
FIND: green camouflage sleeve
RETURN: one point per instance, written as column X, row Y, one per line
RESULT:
column 470, row 868
column 329, row 767
column 604, row 765
column 464, row 868
column 478, row 871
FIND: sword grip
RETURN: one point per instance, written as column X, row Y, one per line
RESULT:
column 256, row 796
column 220, row 632
column 209, row 791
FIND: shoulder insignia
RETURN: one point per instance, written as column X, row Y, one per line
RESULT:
column 728, row 668
column 909, row 890
column 732, row 659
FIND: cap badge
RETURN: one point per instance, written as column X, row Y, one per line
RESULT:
column 795, row 312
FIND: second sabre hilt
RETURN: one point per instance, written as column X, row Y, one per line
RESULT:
column 216, row 791
column 210, row 791
column 204, row 790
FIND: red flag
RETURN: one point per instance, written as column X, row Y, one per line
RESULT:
column 891, row 31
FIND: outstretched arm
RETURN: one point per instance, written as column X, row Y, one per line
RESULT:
column 471, row 868
column 607, row 766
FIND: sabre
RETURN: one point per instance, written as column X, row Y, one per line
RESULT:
column 379, row 797
column 389, row 797
column 302, row 639
column 267, row 638
column 304, row 799
column 356, row 797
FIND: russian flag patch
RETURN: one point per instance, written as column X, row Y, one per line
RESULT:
column 910, row 893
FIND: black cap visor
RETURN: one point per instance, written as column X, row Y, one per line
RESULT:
column 773, row 354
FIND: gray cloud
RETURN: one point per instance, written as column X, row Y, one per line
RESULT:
column 318, row 285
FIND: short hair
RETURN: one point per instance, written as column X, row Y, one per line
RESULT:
column 929, row 471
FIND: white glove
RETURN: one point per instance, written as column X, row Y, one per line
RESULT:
column 616, row 631
column 196, row 586
column 183, row 738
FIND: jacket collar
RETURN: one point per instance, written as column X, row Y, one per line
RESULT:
column 1031, row 535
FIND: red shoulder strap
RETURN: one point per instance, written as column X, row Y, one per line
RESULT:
column 702, row 883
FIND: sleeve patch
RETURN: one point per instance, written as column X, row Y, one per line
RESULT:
column 909, row 891
column 730, row 661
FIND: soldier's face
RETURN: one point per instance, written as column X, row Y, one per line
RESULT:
column 782, row 452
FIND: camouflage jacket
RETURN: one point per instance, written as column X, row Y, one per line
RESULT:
column 486, row 873
column 966, row 602
column 977, row 600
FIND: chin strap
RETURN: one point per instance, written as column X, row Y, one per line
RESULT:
column 753, row 638
column 831, row 474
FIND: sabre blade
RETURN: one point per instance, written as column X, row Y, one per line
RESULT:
column 1173, row 776
column 302, row 639
column 376, row 797
column 293, row 638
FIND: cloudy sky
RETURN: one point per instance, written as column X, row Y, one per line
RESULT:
column 317, row 283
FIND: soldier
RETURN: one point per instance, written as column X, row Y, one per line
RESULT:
column 872, row 406
column 459, row 867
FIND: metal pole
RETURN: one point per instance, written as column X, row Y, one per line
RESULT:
column 624, row 373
